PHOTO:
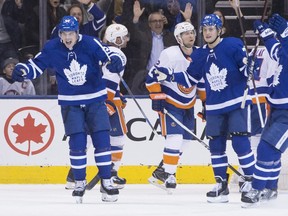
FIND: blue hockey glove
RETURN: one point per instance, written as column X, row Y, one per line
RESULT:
column 19, row 73
column 162, row 73
column 263, row 30
column 115, row 65
column 158, row 101
column 279, row 25
column 123, row 100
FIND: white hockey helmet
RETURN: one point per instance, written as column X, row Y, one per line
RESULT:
column 114, row 31
column 183, row 27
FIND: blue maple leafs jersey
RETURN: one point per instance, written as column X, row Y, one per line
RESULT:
column 223, row 70
column 78, row 72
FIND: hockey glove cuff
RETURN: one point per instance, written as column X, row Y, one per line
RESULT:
column 263, row 30
column 158, row 101
column 162, row 73
column 115, row 65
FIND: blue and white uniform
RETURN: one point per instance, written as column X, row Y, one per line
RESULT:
column 82, row 96
column 224, row 71
column 274, row 140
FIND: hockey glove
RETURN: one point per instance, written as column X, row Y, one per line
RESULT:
column 19, row 73
column 110, row 108
column 162, row 73
column 123, row 100
column 115, row 65
column 279, row 25
column 202, row 114
column 263, row 30
column 158, row 101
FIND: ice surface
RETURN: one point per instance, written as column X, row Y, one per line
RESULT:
column 134, row 200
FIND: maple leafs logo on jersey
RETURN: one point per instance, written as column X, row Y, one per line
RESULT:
column 76, row 75
column 276, row 80
column 216, row 78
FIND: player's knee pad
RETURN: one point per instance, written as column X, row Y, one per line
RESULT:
column 173, row 141
column 267, row 152
column 276, row 135
column 117, row 141
column 241, row 144
column 217, row 144
column 101, row 141
column 77, row 142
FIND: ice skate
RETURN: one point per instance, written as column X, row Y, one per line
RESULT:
column 109, row 192
column 79, row 191
column 269, row 194
column 245, row 186
column 219, row 194
column 251, row 199
column 119, row 182
column 163, row 180
column 70, row 181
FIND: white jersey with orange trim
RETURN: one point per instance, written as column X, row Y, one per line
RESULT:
column 113, row 79
column 176, row 94
column 267, row 67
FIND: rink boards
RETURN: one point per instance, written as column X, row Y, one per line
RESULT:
column 32, row 149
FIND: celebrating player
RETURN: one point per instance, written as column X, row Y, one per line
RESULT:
column 82, row 94
column 222, row 64
column 273, row 140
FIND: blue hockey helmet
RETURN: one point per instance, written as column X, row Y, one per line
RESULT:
column 68, row 23
column 211, row 20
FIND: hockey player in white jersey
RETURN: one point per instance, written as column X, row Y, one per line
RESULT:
column 82, row 94
column 222, row 64
column 117, row 37
column 178, row 99
column 273, row 140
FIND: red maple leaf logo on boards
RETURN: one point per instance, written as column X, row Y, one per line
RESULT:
column 29, row 132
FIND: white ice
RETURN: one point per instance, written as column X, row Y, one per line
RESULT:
column 134, row 200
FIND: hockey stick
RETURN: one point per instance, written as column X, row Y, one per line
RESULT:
column 134, row 99
column 201, row 141
column 250, row 68
column 91, row 184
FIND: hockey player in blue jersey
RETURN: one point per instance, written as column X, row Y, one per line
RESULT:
column 222, row 64
column 273, row 140
column 77, row 60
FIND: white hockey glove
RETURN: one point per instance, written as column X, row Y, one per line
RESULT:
column 162, row 73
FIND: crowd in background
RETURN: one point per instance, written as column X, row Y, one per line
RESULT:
column 20, row 31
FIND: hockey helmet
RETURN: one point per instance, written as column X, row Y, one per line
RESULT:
column 183, row 27
column 68, row 23
column 114, row 31
column 211, row 20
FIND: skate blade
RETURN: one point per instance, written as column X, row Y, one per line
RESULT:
column 109, row 198
column 79, row 200
column 219, row 199
column 249, row 205
column 160, row 185
column 70, row 186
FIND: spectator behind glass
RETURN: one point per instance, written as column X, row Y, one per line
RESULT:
column 144, row 47
column 54, row 14
column 10, row 33
column 230, row 29
column 96, row 18
column 175, row 15
column 11, row 87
